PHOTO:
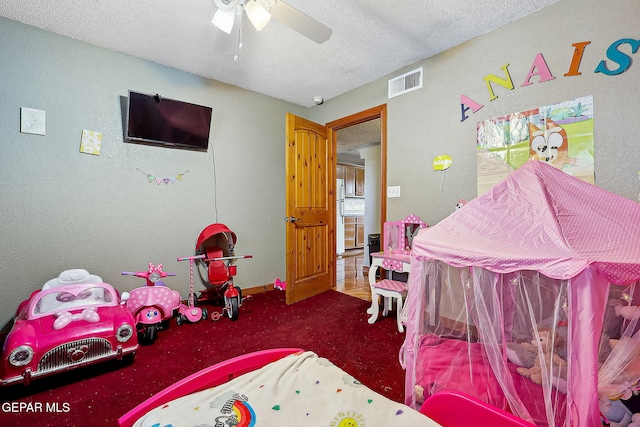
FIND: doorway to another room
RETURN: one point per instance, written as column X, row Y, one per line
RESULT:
column 361, row 204
column 351, row 276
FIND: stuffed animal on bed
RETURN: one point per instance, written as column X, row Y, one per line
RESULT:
column 548, row 344
column 629, row 312
column 521, row 355
column 619, row 378
column 419, row 394
column 616, row 414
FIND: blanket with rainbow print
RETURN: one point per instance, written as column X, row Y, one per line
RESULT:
column 300, row 389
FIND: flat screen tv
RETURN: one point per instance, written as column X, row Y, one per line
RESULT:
column 154, row 120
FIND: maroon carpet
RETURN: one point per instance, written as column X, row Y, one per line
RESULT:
column 331, row 324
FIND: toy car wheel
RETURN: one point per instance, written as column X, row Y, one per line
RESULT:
column 179, row 319
column 204, row 313
column 129, row 358
column 234, row 308
column 150, row 333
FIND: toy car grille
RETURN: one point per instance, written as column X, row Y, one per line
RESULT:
column 75, row 352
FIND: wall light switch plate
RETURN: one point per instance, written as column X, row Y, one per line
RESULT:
column 393, row 191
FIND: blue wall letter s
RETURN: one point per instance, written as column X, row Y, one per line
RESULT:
column 621, row 58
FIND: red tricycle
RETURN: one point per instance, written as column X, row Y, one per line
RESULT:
column 153, row 305
column 215, row 255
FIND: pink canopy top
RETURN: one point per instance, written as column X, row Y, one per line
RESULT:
column 540, row 218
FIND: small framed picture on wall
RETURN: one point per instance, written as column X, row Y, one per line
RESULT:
column 32, row 121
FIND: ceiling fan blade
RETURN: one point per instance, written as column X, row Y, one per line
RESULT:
column 300, row 22
column 224, row 20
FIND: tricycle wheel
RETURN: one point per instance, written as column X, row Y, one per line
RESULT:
column 234, row 308
column 179, row 319
column 204, row 313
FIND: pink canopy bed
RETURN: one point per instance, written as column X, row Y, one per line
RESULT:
column 526, row 299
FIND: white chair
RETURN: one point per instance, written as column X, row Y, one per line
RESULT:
column 390, row 291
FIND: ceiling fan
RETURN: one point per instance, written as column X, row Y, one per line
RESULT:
column 260, row 12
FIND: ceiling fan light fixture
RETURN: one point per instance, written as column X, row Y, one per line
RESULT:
column 226, row 5
column 223, row 19
column 258, row 15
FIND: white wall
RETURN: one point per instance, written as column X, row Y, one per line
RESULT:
column 61, row 209
column 427, row 122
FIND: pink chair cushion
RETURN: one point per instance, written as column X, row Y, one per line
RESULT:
column 391, row 285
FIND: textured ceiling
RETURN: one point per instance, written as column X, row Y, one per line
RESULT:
column 371, row 38
column 363, row 134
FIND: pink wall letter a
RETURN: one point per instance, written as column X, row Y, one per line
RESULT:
column 543, row 71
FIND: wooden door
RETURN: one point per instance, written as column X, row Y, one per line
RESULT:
column 310, row 209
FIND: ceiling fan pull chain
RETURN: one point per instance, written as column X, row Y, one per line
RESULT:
column 239, row 45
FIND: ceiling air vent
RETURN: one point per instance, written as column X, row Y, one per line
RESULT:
column 405, row 83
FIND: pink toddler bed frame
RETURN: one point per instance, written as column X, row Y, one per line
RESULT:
column 448, row 408
column 212, row 376
column 452, row 408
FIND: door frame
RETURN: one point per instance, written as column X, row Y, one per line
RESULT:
column 373, row 113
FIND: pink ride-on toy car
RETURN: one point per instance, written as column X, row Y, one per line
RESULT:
column 65, row 327
column 215, row 254
column 153, row 305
